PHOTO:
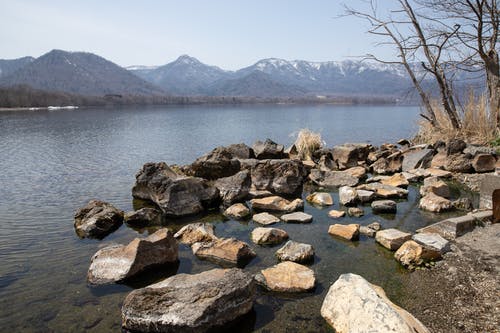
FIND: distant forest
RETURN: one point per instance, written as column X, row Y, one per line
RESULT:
column 23, row 96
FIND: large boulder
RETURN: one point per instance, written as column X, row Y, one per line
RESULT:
column 188, row 303
column 332, row 179
column 196, row 232
column 282, row 177
column 352, row 304
column 219, row 163
column 277, row 204
column 392, row 239
column 143, row 217
column 348, row 155
column 296, row 252
column 287, row 276
column 97, row 219
column 234, row 188
column 119, row 262
column 268, row 236
column 227, row 252
column 175, row 195
column 268, row 150
column 434, row 203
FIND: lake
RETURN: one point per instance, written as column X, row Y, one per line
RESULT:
column 54, row 162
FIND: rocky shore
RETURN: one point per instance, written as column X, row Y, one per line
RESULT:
column 265, row 183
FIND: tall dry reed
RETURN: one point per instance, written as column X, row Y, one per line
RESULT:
column 307, row 142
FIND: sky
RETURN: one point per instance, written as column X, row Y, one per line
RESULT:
column 230, row 34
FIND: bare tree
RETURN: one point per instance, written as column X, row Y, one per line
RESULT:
column 406, row 29
column 475, row 41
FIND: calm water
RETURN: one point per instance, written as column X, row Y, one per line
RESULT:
column 54, row 162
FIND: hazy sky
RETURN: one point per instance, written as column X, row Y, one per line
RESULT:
column 228, row 33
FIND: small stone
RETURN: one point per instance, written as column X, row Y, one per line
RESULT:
column 392, row 239
column 348, row 195
column 287, row 277
column 335, row 214
column 367, row 231
column 237, row 211
column 349, row 231
column 268, row 236
column 196, row 232
column 296, row 252
column 365, row 196
column 384, row 207
column 265, row 218
column 320, row 199
column 375, row 226
column 355, row 211
column 463, row 204
column 297, row 217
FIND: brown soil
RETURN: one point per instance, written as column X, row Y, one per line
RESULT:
column 462, row 292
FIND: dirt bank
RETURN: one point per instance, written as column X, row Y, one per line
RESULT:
column 462, row 292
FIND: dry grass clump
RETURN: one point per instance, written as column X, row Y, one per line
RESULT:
column 307, row 142
column 478, row 126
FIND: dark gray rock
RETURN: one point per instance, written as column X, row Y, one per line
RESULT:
column 234, row 188
column 455, row 146
column 219, row 163
column 458, row 163
column 97, row 219
column 268, row 150
column 348, row 155
column 143, row 217
column 187, row 303
column 175, row 195
column 388, row 165
column 282, row 177
column 414, row 159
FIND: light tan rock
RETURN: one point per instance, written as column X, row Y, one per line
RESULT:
column 397, row 180
column 196, row 232
column 265, row 218
column 226, row 252
column 287, row 277
column 384, row 191
column 348, row 195
column 354, row 305
column 412, row 254
column 335, row 214
column 392, row 239
column 276, row 203
column 268, row 236
column 484, row 163
column 349, row 231
column 237, row 211
column 355, row 211
column 358, row 171
column 434, row 203
column 438, row 173
column 296, row 252
column 320, row 199
column 435, row 185
column 297, row 217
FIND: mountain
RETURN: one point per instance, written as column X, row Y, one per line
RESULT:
column 184, row 76
column 256, row 84
column 9, row 66
column 79, row 73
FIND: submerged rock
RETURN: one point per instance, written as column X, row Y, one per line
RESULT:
column 352, row 304
column 189, row 303
column 287, row 277
column 227, row 252
column 143, row 217
column 349, row 231
column 297, row 217
column 277, row 204
column 265, row 218
column 175, row 195
column 268, row 236
column 237, row 211
column 119, row 262
column 97, row 219
column 196, row 232
column 296, row 252
column 320, row 199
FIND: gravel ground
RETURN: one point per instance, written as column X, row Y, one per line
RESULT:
column 462, row 292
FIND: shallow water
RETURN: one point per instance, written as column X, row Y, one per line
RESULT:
column 54, row 162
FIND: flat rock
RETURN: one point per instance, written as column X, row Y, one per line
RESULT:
column 296, row 252
column 438, row 173
column 348, row 195
column 320, row 199
column 411, row 177
column 352, row 304
column 297, row 217
column 453, row 227
column 335, row 214
column 188, row 303
column 432, row 241
column 384, row 207
column 97, row 219
column 392, row 239
column 227, row 252
column 119, row 262
column 277, row 204
column 397, row 180
column 414, row 159
column 332, row 179
column 355, row 211
column 265, row 218
column 196, row 232
column 287, row 276
column 384, row 191
column 143, row 217
column 412, row 254
column 268, row 236
column 237, row 211
column 357, row 171
column 349, row 231
column 434, row 203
